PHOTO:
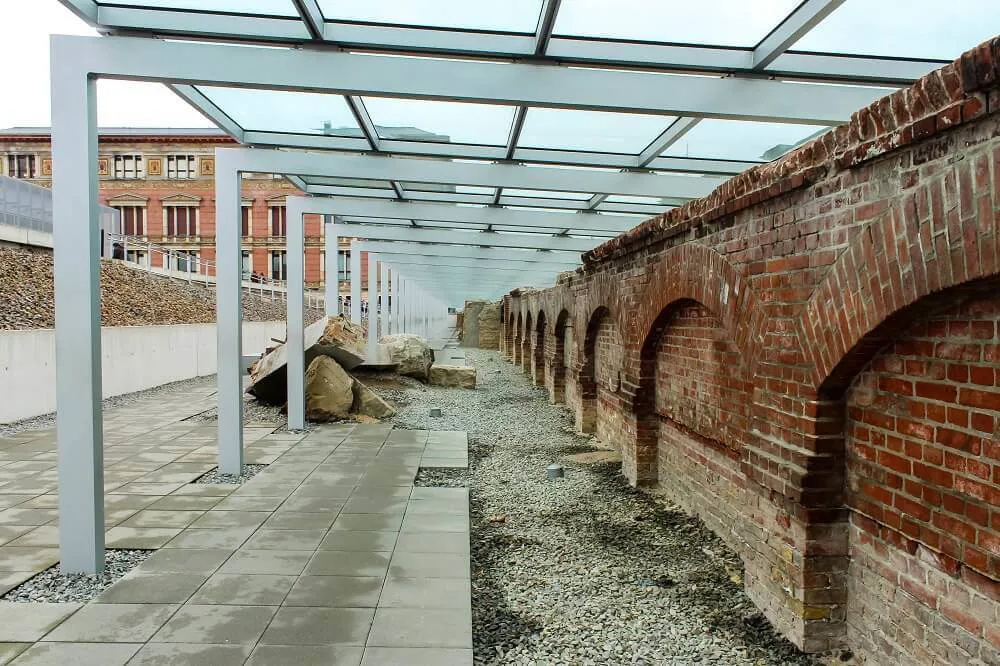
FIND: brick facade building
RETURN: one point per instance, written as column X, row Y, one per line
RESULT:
column 163, row 183
column 809, row 360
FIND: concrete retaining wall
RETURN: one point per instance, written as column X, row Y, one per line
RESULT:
column 134, row 358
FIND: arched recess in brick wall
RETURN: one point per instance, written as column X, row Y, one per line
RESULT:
column 538, row 351
column 508, row 334
column 694, row 399
column 527, row 333
column 600, row 380
column 515, row 349
column 558, row 361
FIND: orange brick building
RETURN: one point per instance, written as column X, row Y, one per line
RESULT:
column 163, row 183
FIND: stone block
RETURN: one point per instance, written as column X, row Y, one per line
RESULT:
column 453, row 376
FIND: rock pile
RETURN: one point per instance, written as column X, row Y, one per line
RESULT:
column 129, row 297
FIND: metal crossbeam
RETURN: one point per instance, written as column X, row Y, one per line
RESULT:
column 474, row 81
column 476, row 215
column 474, row 238
column 484, row 175
column 556, row 259
column 805, row 17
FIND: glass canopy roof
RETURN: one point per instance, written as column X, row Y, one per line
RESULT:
column 624, row 108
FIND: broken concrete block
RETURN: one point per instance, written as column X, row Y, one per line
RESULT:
column 369, row 403
column 453, row 376
column 336, row 337
column 329, row 390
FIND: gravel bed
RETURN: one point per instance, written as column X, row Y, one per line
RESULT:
column 54, row 586
column 585, row 569
column 213, row 476
column 47, row 420
column 443, row 477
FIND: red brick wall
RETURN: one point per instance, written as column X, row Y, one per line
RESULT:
column 821, row 332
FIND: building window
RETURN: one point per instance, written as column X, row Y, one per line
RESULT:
column 181, row 167
column 279, row 221
column 186, row 261
column 181, row 221
column 137, row 257
column 247, row 228
column 133, row 220
column 21, row 166
column 246, row 263
column 279, row 264
column 343, row 265
column 129, row 167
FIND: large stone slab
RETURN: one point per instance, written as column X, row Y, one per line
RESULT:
column 489, row 326
column 329, row 390
column 369, row 403
column 336, row 337
column 410, row 354
column 453, row 376
column 470, row 323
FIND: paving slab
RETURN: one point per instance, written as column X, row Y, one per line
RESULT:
column 328, row 556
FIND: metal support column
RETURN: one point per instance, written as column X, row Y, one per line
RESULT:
column 384, row 300
column 294, row 344
column 355, row 283
column 372, row 305
column 80, row 432
column 332, row 268
column 229, row 314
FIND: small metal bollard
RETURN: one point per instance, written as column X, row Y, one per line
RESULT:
column 435, row 411
column 554, row 471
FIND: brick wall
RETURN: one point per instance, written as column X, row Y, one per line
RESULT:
column 807, row 359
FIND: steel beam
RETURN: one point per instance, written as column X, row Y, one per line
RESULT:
column 474, row 238
column 484, row 175
column 803, row 19
column 556, row 259
column 461, row 80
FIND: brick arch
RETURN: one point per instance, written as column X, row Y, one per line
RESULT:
column 515, row 350
column 555, row 360
column 602, row 293
column 867, row 295
column 699, row 273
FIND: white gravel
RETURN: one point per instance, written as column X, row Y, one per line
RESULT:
column 583, row 570
column 54, row 586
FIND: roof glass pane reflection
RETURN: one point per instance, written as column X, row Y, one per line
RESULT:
column 902, row 28
column 506, row 16
column 741, row 140
column 255, row 7
column 722, row 22
column 454, row 122
column 283, row 111
column 599, row 131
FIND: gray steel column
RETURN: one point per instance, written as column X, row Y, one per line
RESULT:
column 372, row 305
column 332, row 268
column 384, row 291
column 294, row 344
column 355, row 283
column 229, row 313
column 77, row 231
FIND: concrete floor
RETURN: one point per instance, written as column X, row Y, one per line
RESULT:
column 330, row 555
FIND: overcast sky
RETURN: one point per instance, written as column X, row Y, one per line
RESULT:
column 878, row 27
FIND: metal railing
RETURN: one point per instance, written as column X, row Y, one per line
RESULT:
column 181, row 265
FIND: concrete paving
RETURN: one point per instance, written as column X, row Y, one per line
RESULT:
column 329, row 555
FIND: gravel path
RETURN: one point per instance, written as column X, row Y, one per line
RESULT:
column 584, row 570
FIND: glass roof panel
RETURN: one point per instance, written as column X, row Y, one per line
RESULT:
column 902, row 28
column 255, row 7
column 721, row 22
column 601, row 131
column 506, row 16
column 284, row 111
column 426, row 120
column 546, row 194
column 741, row 140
